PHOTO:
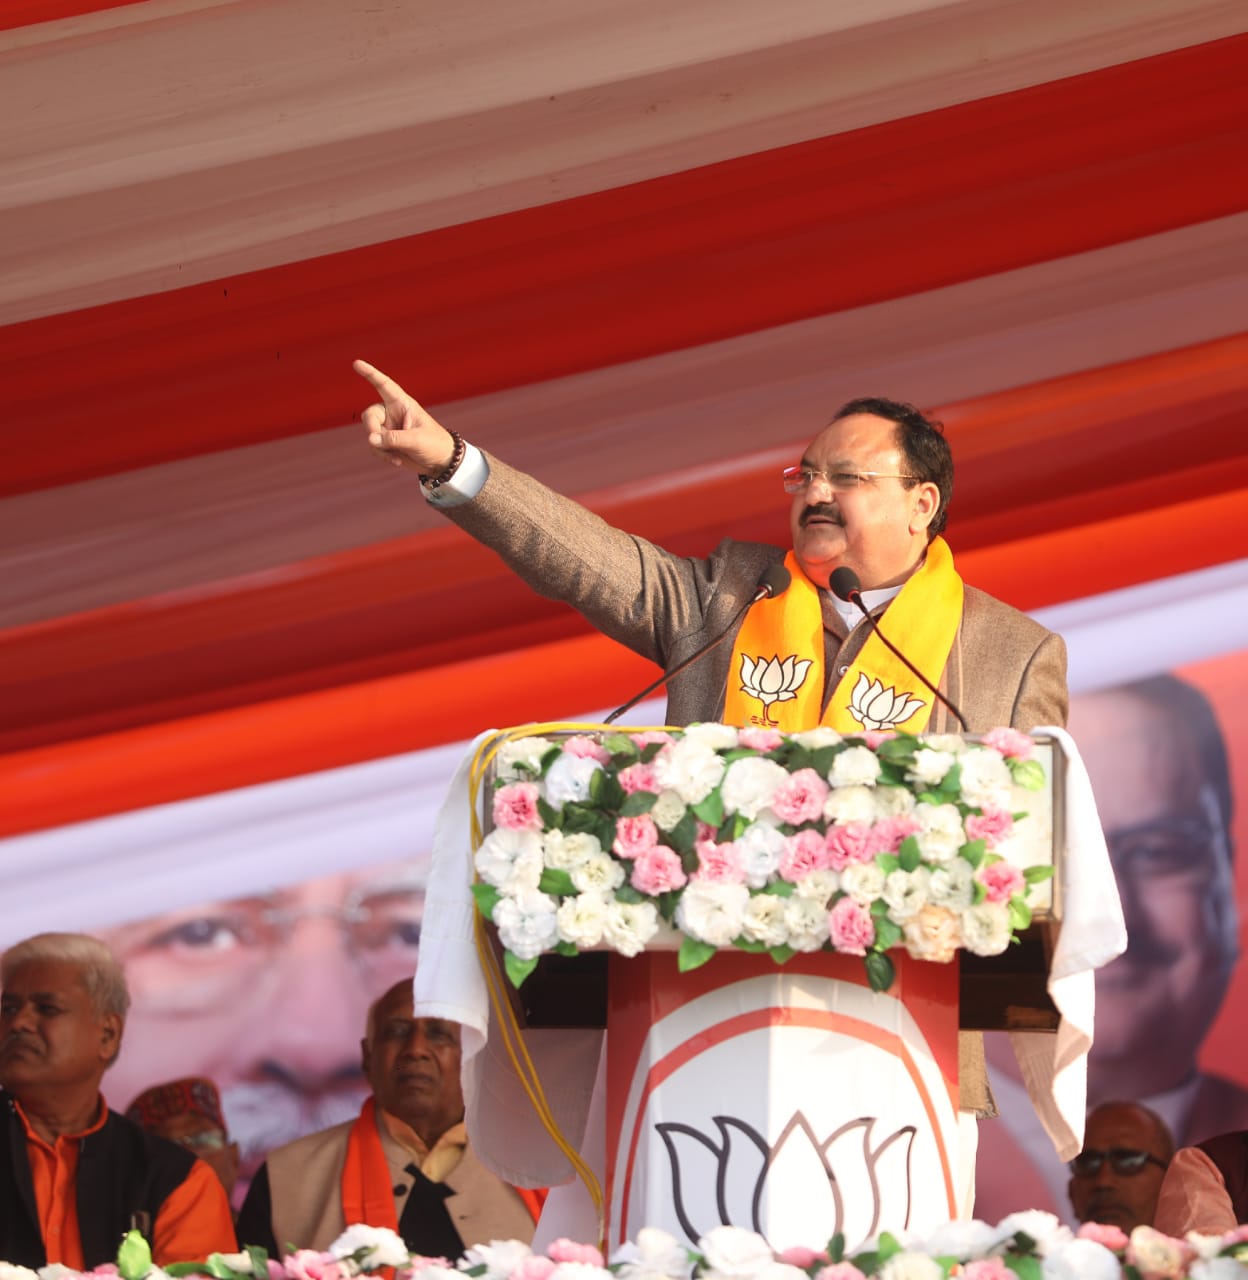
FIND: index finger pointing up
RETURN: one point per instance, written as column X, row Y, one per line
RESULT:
column 386, row 387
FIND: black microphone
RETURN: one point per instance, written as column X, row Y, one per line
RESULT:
column 773, row 581
column 846, row 586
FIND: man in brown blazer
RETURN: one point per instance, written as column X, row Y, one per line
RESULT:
column 871, row 494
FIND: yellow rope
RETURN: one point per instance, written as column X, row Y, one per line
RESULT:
column 504, row 1014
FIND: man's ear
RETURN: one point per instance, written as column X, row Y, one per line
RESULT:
column 111, row 1027
column 926, row 504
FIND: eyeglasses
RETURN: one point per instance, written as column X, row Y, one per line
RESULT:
column 1124, row 1161
column 212, row 1140
column 799, row 479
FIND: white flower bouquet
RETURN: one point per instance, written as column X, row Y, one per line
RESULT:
column 757, row 840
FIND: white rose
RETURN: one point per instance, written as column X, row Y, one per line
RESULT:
column 911, row 1266
column 760, row 846
column 850, row 804
column 668, row 810
column 905, row 892
column 749, row 784
column 581, row 920
column 732, row 1251
column 1043, row 1228
column 930, row 767
column 715, row 737
column 527, row 924
column 807, row 923
column 630, row 925
column 941, row 833
column 894, row 802
column 712, row 911
column 953, row 743
column 764, row 920
column 510, row 860
column 986, row 781
column 1216, row 1269
column 11, row 1271
column 964, row 1239
column 383, row 1247
column 521, row 751
column 1080, row 1260
column 579, row 1271
column 818, row 886
column 932, row 933
column 429, row 1271
column 53, row 1271
column 690, row 769
column 782, row 1271
column 863, row 882
column 952, row 885
column 654, row 1255
column 855, row 767
column 499, row 1258
column 599, row 873
column 817, row 738
column 986, row 928
column 563, row 850
column 567, row 779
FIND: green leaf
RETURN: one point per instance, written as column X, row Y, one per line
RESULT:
column 1037, row 875
column 888, row 862
column 1028, row 774
column 782, row 954
column 134, row 1256
column 487, row 897
column 973, row 852
column 556, row 881
column 899, row 750
column 779, row 889
column 887, row 934
column 868, row 1263
column 567, row 948
column 549, row 756
column 836, row 1247
column 650, row 750
column 638, row 803
column 880, row 970
column 581, row 818
column 749, row 944
column 734, row 828
column 517, row 969
column 711, row 809
column 1020, row 913
column 693, row 954
column 909, row 856
column 821, row 760
column 887, row 1245
column 626, row 893
column 622, row 748
column 1025, row 1268
column 259, row 1260
column 548, row 814
column 682, row 836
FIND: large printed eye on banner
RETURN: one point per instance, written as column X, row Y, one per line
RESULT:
column 1168, row 760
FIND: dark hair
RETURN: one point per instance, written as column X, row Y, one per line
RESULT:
column 923, row 446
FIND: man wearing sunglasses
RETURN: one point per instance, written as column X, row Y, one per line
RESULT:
column 1117, row 1176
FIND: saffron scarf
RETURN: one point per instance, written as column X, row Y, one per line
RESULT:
column 777, row 678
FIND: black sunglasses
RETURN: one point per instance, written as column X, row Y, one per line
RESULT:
column 1122, row 1160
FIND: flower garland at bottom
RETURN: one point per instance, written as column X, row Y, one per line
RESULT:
column 1025, row 1246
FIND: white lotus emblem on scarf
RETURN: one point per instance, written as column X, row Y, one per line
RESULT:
column 772, row 680
column 875, row 707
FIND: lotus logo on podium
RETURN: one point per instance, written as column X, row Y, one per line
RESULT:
column 844, row 1176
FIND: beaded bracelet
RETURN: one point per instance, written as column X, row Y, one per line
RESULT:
column 451, row 467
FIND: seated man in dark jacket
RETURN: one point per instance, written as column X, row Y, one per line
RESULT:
column 75, row 1176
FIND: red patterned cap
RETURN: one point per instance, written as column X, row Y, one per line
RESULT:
column 194, row 1096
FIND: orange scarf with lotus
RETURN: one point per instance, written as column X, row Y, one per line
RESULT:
column 776, row 678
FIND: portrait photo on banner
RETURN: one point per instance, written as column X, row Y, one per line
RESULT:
column 1168, row 760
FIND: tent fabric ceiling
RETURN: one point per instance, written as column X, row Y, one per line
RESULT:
column 641, row 249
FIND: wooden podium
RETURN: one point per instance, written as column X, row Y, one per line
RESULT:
column 791, row 1100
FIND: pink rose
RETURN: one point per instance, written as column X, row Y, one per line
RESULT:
column 850, row 927
column 651, row 737
column 1002, row 880
column 760, row 739
column 800, row 798
column 888, row 833
column 1009, row 742
column 850, row 843
column 639, row 777
column 840, row 1271
column 992, row 826
column 308, row 1264
column 634, row 836
column 535, row 1267
column 586, row 748
column 804, row 852
column 876, row 736
column 719, row 862
column 564, row 1250
column 103, row 1270
column 656, row 871
column 705, row 831
column 515, row 807
column 1104, row 1233
column 986, row 1269
column 798, row 1255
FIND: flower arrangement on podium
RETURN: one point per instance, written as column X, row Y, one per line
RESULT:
column 715, row 837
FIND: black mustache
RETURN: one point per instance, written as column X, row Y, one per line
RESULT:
column 827, row 510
